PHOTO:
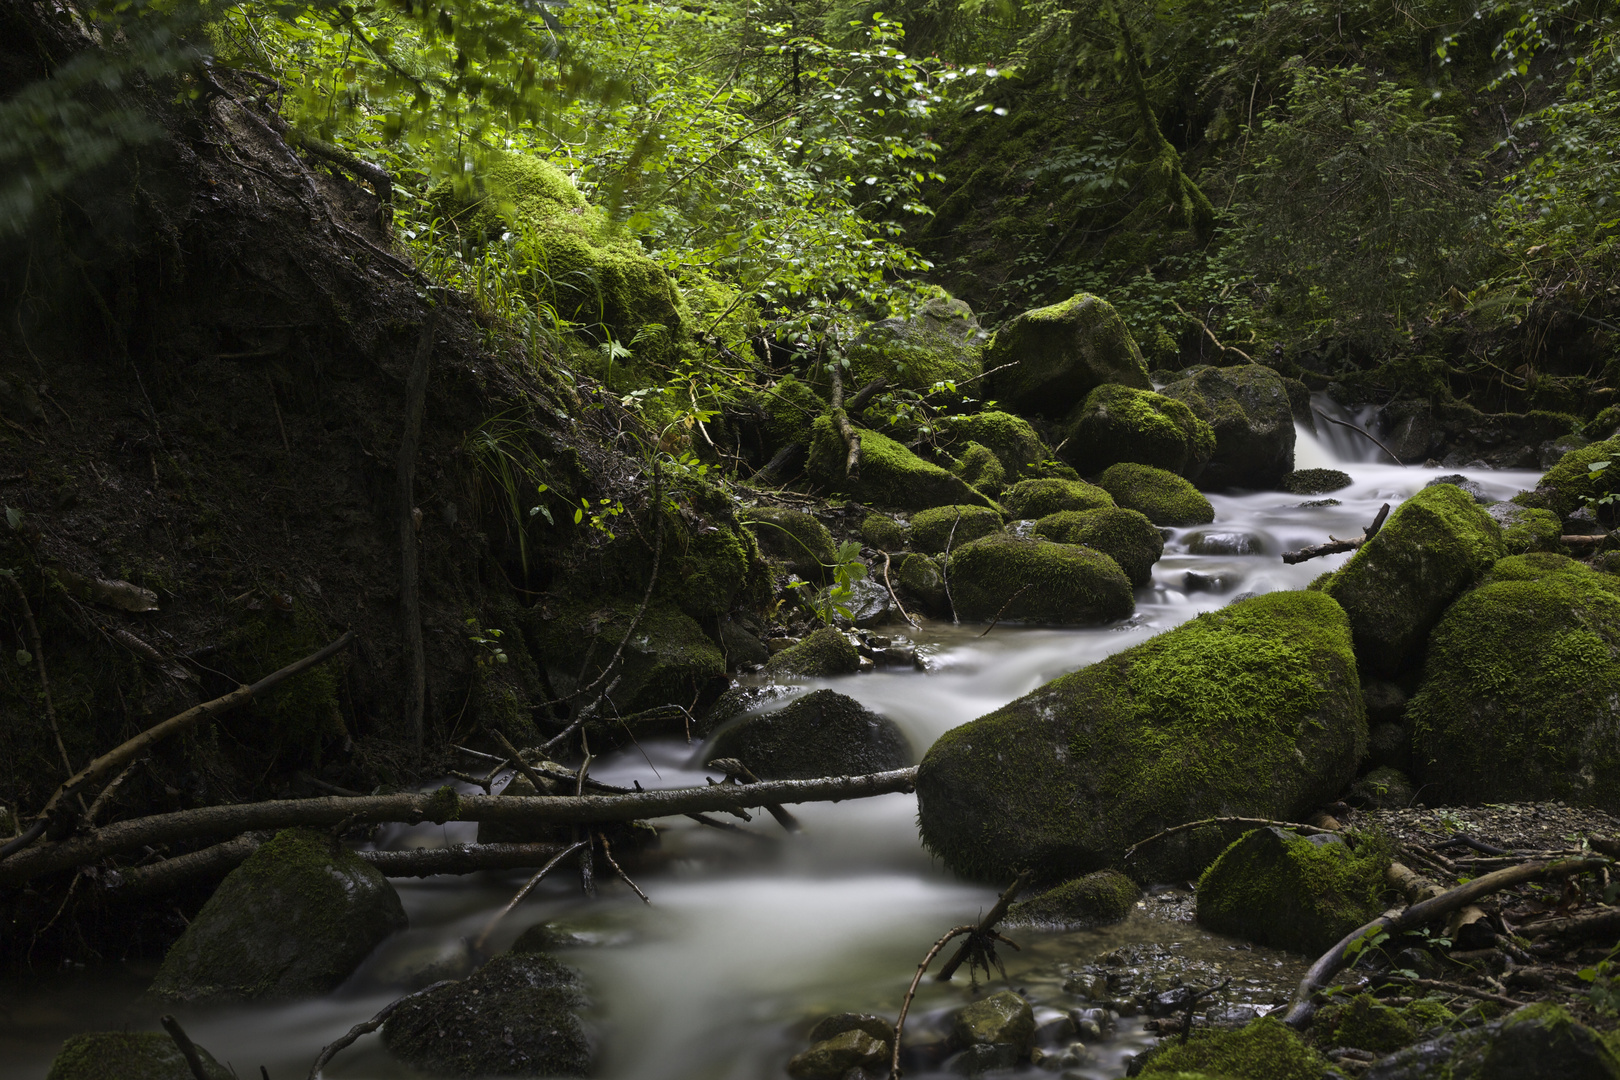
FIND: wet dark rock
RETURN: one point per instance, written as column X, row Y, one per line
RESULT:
column 837, row 1056
column 1225, row 543
column 1472, row 487
column 825, row 652
column 978, row 1060
column 1248, row 408
column 1383, row 788
column 1532, row 1043
column 128, row 1055
column 838, row 1023
column 921, row 584
column 1059, row 354
column 1197, row 581
column 1408, row 428
column 1096, row 899
column 1390, row 743
column 822, row 733
column 741, row 646
column 1549, row 452
column 1003, row 1019
column 1315, row 481
column 737, row 701
column 1385, row 701
column 798, row 540
column 870, row 604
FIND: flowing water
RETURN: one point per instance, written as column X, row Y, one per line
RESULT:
column 745, row 942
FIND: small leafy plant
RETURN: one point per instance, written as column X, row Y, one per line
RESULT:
column 486, row 644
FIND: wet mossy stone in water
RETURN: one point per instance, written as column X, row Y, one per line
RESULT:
column 1275, row 887
column 1003, row 1019
column 1039, row 498
column 738, row 701
column 822, row 733
column 1095, row 899
column 837, row 1056
column 128, row 1055
column 794, row 537
column 1520, row 700
column 1535, row 1042
column 1568, row 485
column 667, row 657
column 1253, row 421
column 1162, row 497
column 518, row 1015
column 1119, row 423
column 1395, row 587
column 1364, row 1023
column 932, row 529
column 1315, row 481
column 1011, row 438
column 1059, row 354
column 981, row 469
column 884, row 533
column 1253, row 710
column 1029, row 580
column 890, row 475
column 1125, row 536
column 1525, row 529
column 824, row 653
column 1265, row 1050
column 292, row 921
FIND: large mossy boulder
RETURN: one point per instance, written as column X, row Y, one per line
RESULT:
column 933, row 530
column 1162, row 497
column 667, row 657
column 1568, row 485
column 128, row 1055
column 1275, row 887
column 518, row 1015
column 1095, row 899
column 1253, row 422
column 1120, row 423
column 980, row 469
column 822, row 733
column 294, row 920
column 822, row 654
column 1435, row 545
column 1029, row 580
column 1254, row 710
column 921, row 581
column 794, row 537
column 941, row 342
column 1534, row 1042
column 1040, row 497
column 1520, row 700
column 1125, row 536
column 890, row 475
column 1267, row 1049
column 1052, row 357
column 1019, row 449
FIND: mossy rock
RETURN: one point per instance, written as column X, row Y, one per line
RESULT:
column 1248, row 407
column 1384, row 788
column 710, row 571
column 1030, row 580
column 128, row 1055
column 668, row 660
column 932, row 530
column 1395, row 587
column 1521, row 695
column 1525, row 529
column 1095, row 899
column 1253, row 710
column 890, row 475
column 1119, row 423
column 1364, row 1023
column 1059, row 354
column 1040, row 498
column 301, row 713
column 1568, row 485
column 518, row 1015
column 822, row 733
column 294, row 920
column 791, row 409
column 1002, row 1019
column 794, row 537
column 884, row 533
column 979, row 467
column 1315, row 481
column 941, row 342
column 919, row 579
column 1275, row 887
column 836, row 1057
column 824, row 653
column 1162, row 497
column 1265, row 1050
column 1531, row 1043
column 1020, row 450
column 1125, row 536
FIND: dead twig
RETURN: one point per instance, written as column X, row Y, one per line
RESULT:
column 607, row 852
column 911, row 992
column 1004, row 607
column 366, row 1027
column 1335, row 546
column 840, row 419
column 1254, row 823
column 188, row 1049
column 986, row 925
column 478, row 946
column 1450, row 988
column 1359, row 431
column 887, row 584
column 1211, row 334
column 945, row 568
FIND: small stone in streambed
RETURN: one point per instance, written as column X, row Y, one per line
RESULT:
column 1315, row 481
column 1193, row 581
column 128, row 1055
column 1096, row 899
column 834, row 1058
column 1000, row 1019
column 825, row 652
column 742, row 647
column 1225, row 543
column 823, row 733
column 838, row 1023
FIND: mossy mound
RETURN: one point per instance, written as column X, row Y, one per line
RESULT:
column 920, row 580
column 791, row 409
column 1521, row 693
column 1364, row 1023
column 979, row 467
column 932, row 530
column 1125, row 536
column 940, row 343
column 1029, row 580
column 1265, row 1050
column 292, row 921
column 1039, row 498
column 1119, row 423
column 518, row 1015
column 668, row 660
column 890, row 475
column 1525, row 529
column 1568, row 485
column 1395, row 587
column 1253, row 421
column 1095, row 899
column 1275, row 887
column 884, row 533
column 822, row 733
column 824, row 653
column 1315, row 481
column 1162, row 497
column 1253, row 710
column 1384, row 788
column 1530, row 1043
column 794, row 537
column 1059, row 354
column 128, row 1055
column 1016, row 445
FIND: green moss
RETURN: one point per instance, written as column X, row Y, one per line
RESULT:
column 1118, row 423
column 919, row 579
column 939, row 344
column 791, row 409
column 932, row 529
column 1384, row 788
column 1264, row 1050
column 666, row 660
column 1425, row 1013
column 1059, row 354
column 1029, row 580
column 713, row 570
column 890, row 475
column 825, row 652
column 884, row 533
column 1250, row 411
column 1315, row 481
column 1162, row 497
column 1604, row 424
column 1125, row 536
column 128, row 1055
column 1569, row 484
column 1021, row 452
column 794, row 537
column 981, row 469
column 1039, row 498
column 1095, row 899
column 822, row 733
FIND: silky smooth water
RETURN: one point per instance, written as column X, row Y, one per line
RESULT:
column 746, row 942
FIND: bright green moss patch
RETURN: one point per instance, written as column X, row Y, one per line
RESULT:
column 890, row 475
column 1526, row 529
column 1570, row 483
column 825, row 652
column 1059, row 354
column 1264, row 1050
column 1125, row 536
column 794, row 537
column 1315, row 481
column 1021, row 452
column 128, row 1055
column 1162, row 497
column 1095, row 899
column 1362, row 1022
column 1426, row 1013
column 1028, row 580
column 920, row 580
column 884, row 533
column 939, row 344
column 1119, row 423
column 932, row 529
column 1038, row 498
column 981, row 469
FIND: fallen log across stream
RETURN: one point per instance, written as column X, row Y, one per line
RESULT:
column 439, row 806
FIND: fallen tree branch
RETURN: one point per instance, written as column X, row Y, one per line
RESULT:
column 1211, row 334
column 489, row 927
column 840, row 419
column 1003, row 609
column 865, row 394
column 986, row 924
column 911, row 992
column 1361, row 432
column 1255, row 823
column 1595, row 924
column 187, row 1048
column 365, row 1027
column 1336, row 547
column 1450, row 988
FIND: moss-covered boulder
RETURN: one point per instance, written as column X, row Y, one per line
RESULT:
column 1382, row 788
column 1568, row 485
column 1535, row 1042
column 1094, row 899
column 885, row 533
column 790, row 408
column 1020, row 450
column 128, row 1055
column 1364, row 1023
column 941, row 343
column 1002, row 1019
column 890, row 475
column 980, row 469
column 1120, row 423
column 1248, row 408
column 1253, row 710
column 797, row 539
column 822, row 733
column 824, row 653
column 1315, row 481
column 1520, row 699
column 1395, row 587
column 1059, row 354
column 667, row 657
column 1275, row 887
column 1162, row 497
column 1029, row 580
column 921, row 582
column 292, row 921
column 1041, row 497
column 1125, row 536
column 1265, row 1050
column 835, row 1057
column 518, row 1015
column 932, row 530
column 1525, row 529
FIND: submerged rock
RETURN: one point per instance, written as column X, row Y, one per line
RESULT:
column 890, row 475
column 825, row 652
column 1040, row 498
column 1253, row 422
column 1125, row 536
column 1531, row 1043
column 1059, row 354
column 1253, row 710
column 128, row 1055
column 795, row 538
column 932, row 530
column 1118, row 423
column 1095, row 899
column 1163, row 497
column 822, row 733
column 1315, row 481
column 1026, row 580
